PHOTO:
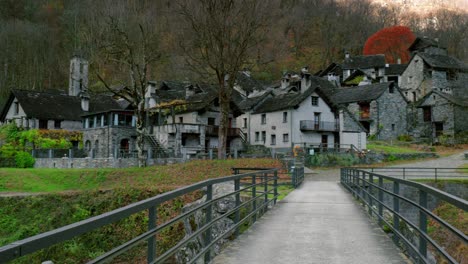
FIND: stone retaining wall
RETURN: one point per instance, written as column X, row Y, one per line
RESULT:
column 81, row 163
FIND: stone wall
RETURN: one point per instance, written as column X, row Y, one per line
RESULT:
column 82, row 163
column 391, row 122
column 106, row 140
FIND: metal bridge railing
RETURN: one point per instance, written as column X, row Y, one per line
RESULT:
column 369, row 188
column 297, row 174
column 410, row 173
column 263, row 189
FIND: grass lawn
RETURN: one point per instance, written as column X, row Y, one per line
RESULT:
column 391, row 149
column 161, row 177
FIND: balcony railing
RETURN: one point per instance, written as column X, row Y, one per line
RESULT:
column 310, row 125
column 213, row 131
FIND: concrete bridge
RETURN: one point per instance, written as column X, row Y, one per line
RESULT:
column 317, row 223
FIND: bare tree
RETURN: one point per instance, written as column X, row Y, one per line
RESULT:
column 130, row 45
column 219, row 40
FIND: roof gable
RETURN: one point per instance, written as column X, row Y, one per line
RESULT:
column 360, row 93
column 364, row 62
column 442, row 61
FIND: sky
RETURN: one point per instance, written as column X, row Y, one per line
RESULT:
column 424, row 6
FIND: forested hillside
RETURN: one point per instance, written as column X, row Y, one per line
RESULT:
column 37, row 37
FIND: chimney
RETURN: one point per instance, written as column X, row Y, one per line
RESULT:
column 346, row 55
column 399, row 61
column 305, row 82
column 84, row 101
column 150, row 91
column 189, row 91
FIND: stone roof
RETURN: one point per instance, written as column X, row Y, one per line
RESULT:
column 364, row 62
column 421, row 43
column 332, row 68
column 442, row 61
column 247, row 83
column 395, row 69
column 57, row 106
column 448, row 97
column 292, row 99
column 363, row 93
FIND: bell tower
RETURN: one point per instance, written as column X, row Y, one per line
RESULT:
column 78, row 76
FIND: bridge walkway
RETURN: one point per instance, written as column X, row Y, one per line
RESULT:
column 317, row 223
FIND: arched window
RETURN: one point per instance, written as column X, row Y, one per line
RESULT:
column 96, row 147
column 88, row 145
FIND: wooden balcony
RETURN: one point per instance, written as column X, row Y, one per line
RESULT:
column 310, row 125
column 213, row 131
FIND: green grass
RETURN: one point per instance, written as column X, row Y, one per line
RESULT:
column 390, row 149
column 170, row 176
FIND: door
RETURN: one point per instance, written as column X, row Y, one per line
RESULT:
column 324, row 141
column 316, row 121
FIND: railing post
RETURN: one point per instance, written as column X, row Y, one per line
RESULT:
column 254, row 201
column 369, row 194
column 404, row 173
column 422, row 223
column 238, row 202
column 152, row 218
column 275, row 183
column 209, row 197
column 396, row 209
column 435, row 175
column 265, row 190
column 380, row 200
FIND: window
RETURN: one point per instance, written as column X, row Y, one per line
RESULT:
column 427, row 114
column 273, row 139
column 257, row 136
column 285, row 117
column 263, row 118
column 451, row 75
column 88, row 145
column 393, row 127
column 264, row 136
column 315, row 100
column 57, row 124
column 181, row 119
column 244, row 124
column 16, row 106
column 91, row 122
column 211, row 121
column 42, row 124
column 285, row 137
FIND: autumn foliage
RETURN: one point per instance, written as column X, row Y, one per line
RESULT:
column 393, row 42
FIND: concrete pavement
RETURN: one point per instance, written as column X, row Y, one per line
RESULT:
column 317, row 223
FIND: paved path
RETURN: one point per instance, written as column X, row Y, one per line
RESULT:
column 317, row 223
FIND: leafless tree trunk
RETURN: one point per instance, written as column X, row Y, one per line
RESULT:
column 219, row 38
column 134, row 52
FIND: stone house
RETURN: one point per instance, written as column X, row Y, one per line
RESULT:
column 298, row 111
column 430, row 68
column 443, row 115
column 372, row 65
column 53, row 109
column 192, row 118
column 380, row 108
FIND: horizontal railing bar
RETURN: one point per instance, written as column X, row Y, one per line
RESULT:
column 460, row 203
column 184, row 242
column 206, row 248
column 34, row 243
column 425, row 210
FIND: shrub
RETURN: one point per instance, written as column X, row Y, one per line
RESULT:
column 405, row 137
column 24, row 160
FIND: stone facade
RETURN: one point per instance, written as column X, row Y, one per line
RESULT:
column 105, row 142
column 387, row 115
column 83, row 163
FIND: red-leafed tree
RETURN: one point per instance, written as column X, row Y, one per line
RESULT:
column 391, row 41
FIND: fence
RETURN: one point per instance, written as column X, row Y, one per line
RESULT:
column 295, row 176
column 421, row 173
column 58, row 153
column 263, row 189
column 368, row 187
